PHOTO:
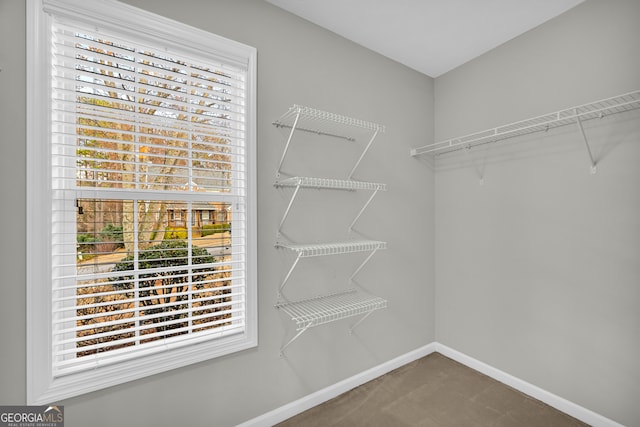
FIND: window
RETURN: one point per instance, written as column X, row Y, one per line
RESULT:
column 137, row 125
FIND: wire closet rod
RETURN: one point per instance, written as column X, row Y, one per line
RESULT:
column 574, row 115
column 317, row 132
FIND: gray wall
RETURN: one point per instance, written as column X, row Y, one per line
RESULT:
column 538, row 269
column 298, row 63
column 12, row 181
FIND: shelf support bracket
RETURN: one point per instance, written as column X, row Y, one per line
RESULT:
column 286, row 278
column 359, row 321
column 355, row 273
column 363, row 209
column 295, row 337
column 363, row 153
column 286, row 147
column 594, row 168
column 286, row 212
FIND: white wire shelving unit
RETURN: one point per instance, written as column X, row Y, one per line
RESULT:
column 320, row 310
column 330, row 308
column 570, row 116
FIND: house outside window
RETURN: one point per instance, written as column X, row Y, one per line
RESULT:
column 137, row 124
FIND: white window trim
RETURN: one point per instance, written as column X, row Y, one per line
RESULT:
column 42, row 387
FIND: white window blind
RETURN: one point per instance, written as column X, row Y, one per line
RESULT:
column 146, row 144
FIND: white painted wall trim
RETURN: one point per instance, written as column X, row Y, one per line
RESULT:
column 570, row 408
column 307, row 402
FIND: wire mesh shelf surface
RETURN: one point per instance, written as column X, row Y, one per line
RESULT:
column 325, row 123
column 335, row 248
column 329, row 183
column 617, row 104
column 324, row 309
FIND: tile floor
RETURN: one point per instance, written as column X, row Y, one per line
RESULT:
column 433, row 391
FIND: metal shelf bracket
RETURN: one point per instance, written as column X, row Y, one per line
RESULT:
column 295, row 337
column 353, row 327
column 594, row 168
column 361, row 266
column 363, row 209
column 286, row 147
column 286, row 212
column 286, row 277
column 353, row 170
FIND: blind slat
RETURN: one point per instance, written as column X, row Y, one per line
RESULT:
column 152, row 336
column 69, row 366
column 59, row 300
column 126, row 320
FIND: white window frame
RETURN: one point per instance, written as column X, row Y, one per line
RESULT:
column 42, row 386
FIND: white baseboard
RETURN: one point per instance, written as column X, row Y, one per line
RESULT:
column 307, row 402
column 563, row 405
column 297, row 406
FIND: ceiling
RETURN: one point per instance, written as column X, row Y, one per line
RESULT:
column 430, row 36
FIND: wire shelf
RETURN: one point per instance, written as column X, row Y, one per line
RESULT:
column 325, row 123
column 575, row 115
column 325, row 309
column 336, row 248
column 329, row 183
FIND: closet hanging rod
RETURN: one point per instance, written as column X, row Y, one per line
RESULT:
column 314, row 131
column 598, row 109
